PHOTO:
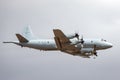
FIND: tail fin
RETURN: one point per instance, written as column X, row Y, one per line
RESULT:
column 21, row 38
column 27, row 33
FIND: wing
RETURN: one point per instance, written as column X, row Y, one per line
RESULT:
column 64, row 44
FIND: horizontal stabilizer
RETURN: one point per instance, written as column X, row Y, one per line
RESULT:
column 21, row 38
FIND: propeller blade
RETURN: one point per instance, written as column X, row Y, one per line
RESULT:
column 77, row 35
column 95, row 53
column 82, row 41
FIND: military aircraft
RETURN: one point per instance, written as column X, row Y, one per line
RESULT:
column 71, row 44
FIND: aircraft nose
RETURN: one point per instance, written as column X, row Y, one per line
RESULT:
column 109, row 45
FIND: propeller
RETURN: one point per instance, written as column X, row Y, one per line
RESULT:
column 77, row 35
column 81, row 40
column 95, row 53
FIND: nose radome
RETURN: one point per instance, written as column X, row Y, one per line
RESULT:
column 110, row 45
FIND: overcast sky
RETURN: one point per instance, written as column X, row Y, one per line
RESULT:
column 91, row 18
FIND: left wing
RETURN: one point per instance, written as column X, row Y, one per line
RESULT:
column 64, row 44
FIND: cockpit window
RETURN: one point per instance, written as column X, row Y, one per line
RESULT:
column 103, row 40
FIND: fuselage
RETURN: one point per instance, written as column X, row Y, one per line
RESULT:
column 49, row 44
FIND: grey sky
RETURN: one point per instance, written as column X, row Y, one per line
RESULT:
column 91, row 18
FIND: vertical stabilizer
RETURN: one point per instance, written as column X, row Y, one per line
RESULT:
column 27, row 33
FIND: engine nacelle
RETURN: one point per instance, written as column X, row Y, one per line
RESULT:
column 87, row 50
column 71, row 36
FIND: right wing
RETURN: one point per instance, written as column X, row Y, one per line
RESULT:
column 64, row 44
